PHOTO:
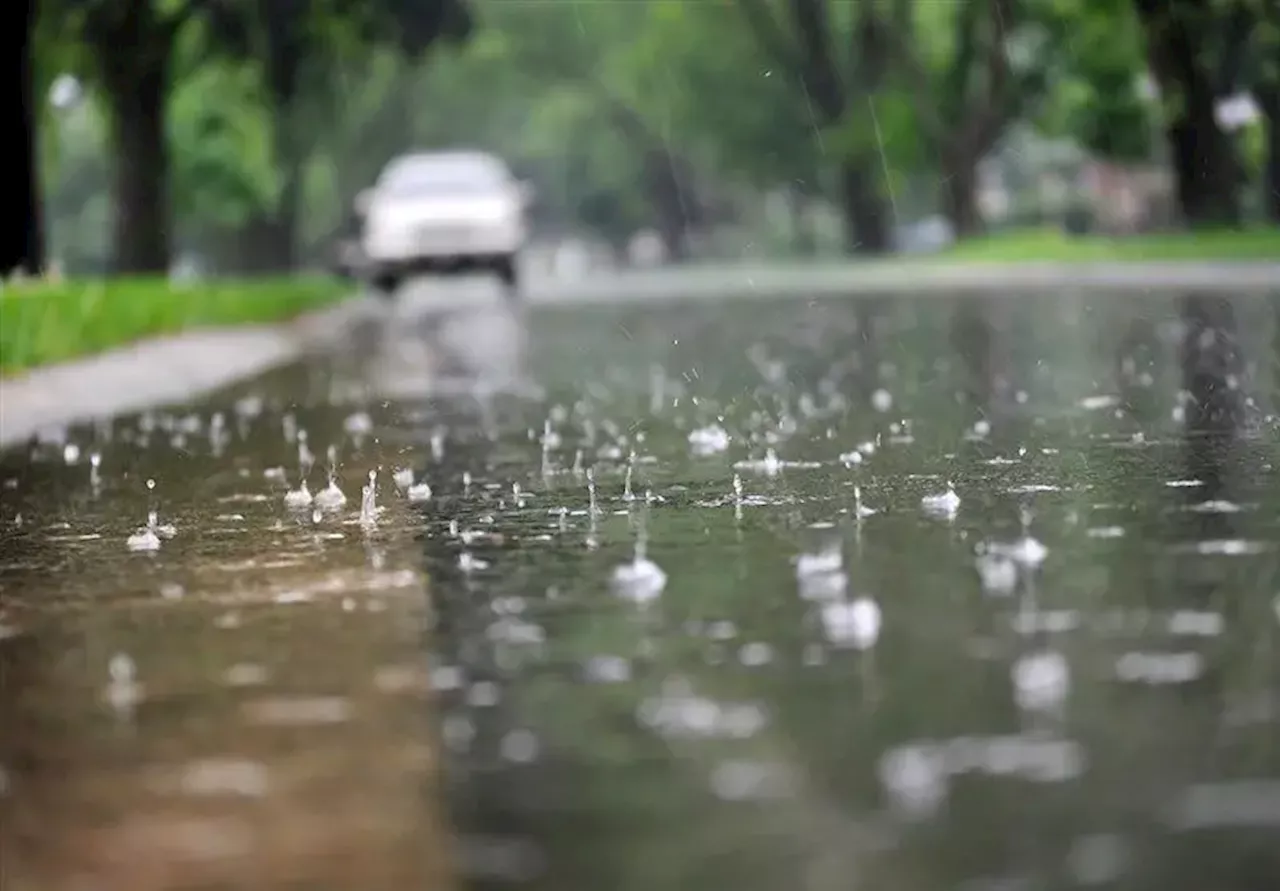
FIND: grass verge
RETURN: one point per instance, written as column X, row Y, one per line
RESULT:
column 1052, row 245
column 42, row 322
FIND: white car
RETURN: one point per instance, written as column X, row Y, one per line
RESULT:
column 443, row 212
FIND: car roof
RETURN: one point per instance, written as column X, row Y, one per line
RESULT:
column 459, row 161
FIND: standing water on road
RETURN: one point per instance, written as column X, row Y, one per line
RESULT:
column 912, row 594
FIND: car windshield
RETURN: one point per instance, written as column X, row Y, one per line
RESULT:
column 443, row 177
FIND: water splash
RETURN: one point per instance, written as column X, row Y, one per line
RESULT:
column 369, row 500
column 95, row 474
column 997, row 572
column 1027, row 552
column 469, row 563
column 146, row 539
column 860, row 510
column 418, row 492
column 639, row 580
column 1041, row 681
column 827, row 560
column 944, row 505
column 299, row 498
column 164, row 530
column 710, row 440
column 550, row 438
column 331, row 497
column 769, row 465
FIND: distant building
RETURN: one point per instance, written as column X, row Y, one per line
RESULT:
column 1128, row 197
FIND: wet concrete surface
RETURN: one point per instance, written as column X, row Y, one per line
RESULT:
column 676, row 598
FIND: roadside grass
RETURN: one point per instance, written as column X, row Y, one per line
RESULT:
column 42, row 322
column 1054, row 246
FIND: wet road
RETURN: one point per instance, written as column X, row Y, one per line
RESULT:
column 898, row 593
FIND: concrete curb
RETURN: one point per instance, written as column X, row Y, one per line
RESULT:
column 162, row 371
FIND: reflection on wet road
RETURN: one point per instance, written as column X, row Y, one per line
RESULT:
column 891, row 593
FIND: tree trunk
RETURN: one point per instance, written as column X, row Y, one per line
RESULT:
column 666, row 195
column 1269, row 99
column 960, row 195
column 1206, row 179
column 137, row 92
column 269, row 241
column 24, row 248
column 867, row 224
column 284, row 39
column 1206, row 174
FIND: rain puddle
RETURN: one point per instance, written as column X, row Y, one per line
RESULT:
column 206, row 682
column 903, row 594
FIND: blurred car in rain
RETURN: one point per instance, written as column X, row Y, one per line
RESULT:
column 439, row 213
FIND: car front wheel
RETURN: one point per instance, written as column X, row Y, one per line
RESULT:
column 386, row 283
column 505, row 270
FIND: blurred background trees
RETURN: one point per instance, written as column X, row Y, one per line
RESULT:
column 234, row 134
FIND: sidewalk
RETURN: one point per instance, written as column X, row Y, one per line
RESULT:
column 161, row 371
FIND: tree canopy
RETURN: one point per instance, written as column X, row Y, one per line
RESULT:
column 242, row 129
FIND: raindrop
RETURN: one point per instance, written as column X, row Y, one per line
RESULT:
column 519, row 746
column 944, row 505
column 1041, row 681
column 607, row 669
column 121, row 669
column 915, row 779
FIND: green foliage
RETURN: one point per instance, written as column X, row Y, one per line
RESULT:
column 723, row 96
column 1039, row 245
column 580, row 97
column 223, row 168
column 1097, row 97
column 44, row 322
